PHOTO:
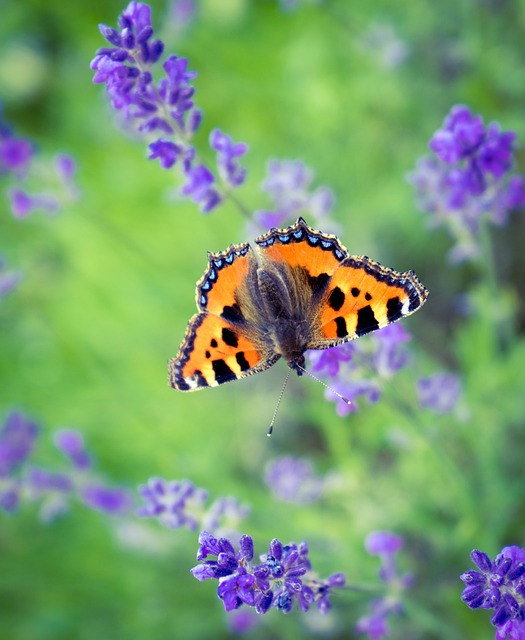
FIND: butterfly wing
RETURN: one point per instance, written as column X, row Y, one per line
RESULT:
column 363, row 296
column 221, row 344
column 302, row 248
column 215, row 351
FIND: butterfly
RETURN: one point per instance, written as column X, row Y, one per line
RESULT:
column 295, row 289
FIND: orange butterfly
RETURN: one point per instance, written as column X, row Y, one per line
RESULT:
column 299, row 290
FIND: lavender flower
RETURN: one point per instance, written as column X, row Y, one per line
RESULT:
column 224, row 515
column 499, row 585
column 8, row 279
column 20, row 161
column 327, row 362
column 227, row 154
column 176, row 504
column 110, row 500
column 23, row 203
column 241, row 621
column 293, row 480
column 162, row 112
column 71, row 443
column 385, row 545
column 9, row 494
column 356, row 369
column 15, row 153
column 53, row 489
column 288, row 183
column 283, row 577
column 390, row 356
column 17, row 439
column 439, row 392
column 468, row 179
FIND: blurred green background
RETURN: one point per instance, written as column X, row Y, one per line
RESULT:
column 109, row 286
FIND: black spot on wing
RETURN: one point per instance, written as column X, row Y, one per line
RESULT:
column 201, row 380
column 393, row 309
column 229, row 337
column 366, row 321
column 241, row 361
column 182, row 385
column 368, row 296
column 232, row 313
column 214, row 343
column 208, row 354
column 336, row 299
column 318, row 283
column 222, row 371
column 355, row 291
column 340, row 323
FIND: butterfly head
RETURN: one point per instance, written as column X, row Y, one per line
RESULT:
column 297, row 363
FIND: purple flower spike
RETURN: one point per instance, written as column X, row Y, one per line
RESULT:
column 468, row 179
column 283, row 577
column 162, row 107
column 499, row 585
column 460, row 136
column 167, row 152
column 136, row 16
column 439, row 392
column 17, row 438
column 71, row 443
column 111, row 500
column 385, row 545
column 66, row 168
column 10, row 497
column 328, row 361
column 41, row 480
column 15, row 154
column 288, row 183
column 224, row 514
column 176, row 504
column 227, row 154
column 8, row 279
column 199, row 188
column 293, row 480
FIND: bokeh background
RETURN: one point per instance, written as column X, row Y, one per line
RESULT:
column 355, row 90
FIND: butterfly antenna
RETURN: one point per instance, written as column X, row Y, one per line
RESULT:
column 346, row 400
column 270, row 428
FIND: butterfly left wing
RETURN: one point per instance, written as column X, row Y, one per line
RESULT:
column 215, row 351
column 221, row 344
column 363, row 296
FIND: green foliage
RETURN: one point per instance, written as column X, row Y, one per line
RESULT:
column 109, row 286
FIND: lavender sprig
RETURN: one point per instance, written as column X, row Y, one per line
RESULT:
column 283, row 577
column 33, row 182
column 385, row 545
column 179, row 504
column 468, row 179
column 289, row 186
column 499, row 585
column 8, row 279
column 54, row 490
column 293, row 480
column 439, row 392
column 163, row 112
column 358, row 368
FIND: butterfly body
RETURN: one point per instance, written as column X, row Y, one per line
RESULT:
column 297, row 289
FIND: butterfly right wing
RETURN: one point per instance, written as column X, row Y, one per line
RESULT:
column 363, row 296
